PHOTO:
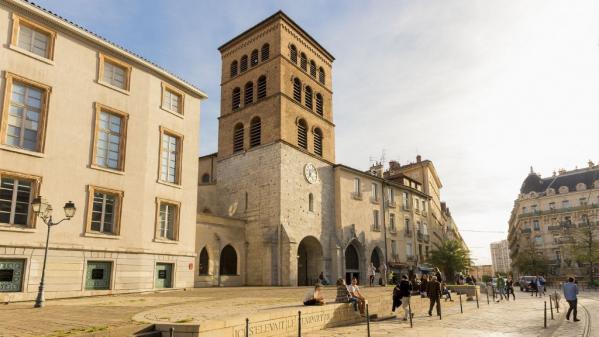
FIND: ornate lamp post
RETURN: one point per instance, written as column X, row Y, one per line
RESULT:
column 43, row 209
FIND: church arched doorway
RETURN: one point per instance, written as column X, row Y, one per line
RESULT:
column 352, row 263
column 376, row 258
column 309, row 261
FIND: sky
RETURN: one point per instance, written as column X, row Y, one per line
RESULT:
column 484, row 89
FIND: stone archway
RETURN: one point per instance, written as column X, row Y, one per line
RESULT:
column 376, row 257
column 352, row 262
column 309, row 261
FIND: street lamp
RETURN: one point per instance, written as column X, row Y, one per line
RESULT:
column 43, row 209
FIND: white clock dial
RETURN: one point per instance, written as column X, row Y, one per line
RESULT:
column 310, row 173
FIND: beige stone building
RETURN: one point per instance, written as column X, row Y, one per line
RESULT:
column 500, row 256
column 83, row 119
column 482, row 270
column 549, row 214
column 274, row 208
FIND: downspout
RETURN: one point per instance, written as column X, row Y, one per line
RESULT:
column 384, row 229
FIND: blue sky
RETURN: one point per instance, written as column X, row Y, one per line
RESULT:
column 485, row 89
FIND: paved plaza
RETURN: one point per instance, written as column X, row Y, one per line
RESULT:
column 120, row 315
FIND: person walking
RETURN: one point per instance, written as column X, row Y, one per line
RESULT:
column 509, row 286
column 405, row 291
column 423, row 285
column 533, row 288
column 571, row 295
column 500, row 287
column 434, row 294
column 371, row 272
column 541, row 285
column 383, row 272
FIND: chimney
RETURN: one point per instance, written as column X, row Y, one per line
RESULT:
column 394, row 165
column 418, row 158
column 377, row 169
column 561, row 171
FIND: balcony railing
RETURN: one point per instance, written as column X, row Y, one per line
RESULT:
column 423, row 237
column 356, row 195
column 390, row 203
column 392, row 229
column 411, row 258
column 563, row 240
column 558, row 210
column 526, row 231
column 375, row 228
column 408, row 233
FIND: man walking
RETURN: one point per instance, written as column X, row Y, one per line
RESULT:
column 571, row 295
column 405, row 291
column 434, row 294
column 500, row 287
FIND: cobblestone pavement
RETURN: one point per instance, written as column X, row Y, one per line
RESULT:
column 71, row 317
column 520, row 318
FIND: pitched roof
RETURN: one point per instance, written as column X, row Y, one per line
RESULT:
column 534, row 182
column 36, row 9
column 279, row 14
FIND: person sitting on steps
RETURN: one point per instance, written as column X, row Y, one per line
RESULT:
column 355, row 293
column 314, row 296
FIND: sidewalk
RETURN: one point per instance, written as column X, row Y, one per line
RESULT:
column 522, row 318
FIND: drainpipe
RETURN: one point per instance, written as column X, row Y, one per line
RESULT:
column 384, row 230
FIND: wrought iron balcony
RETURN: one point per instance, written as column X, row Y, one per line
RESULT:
column 408, row 233
column 558, row 211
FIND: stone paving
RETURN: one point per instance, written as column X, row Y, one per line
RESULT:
column 522, row 318
column 73, row 317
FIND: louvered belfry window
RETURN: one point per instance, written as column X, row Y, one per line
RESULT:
column 312, row 69
column 254, row 58
column 238, row 138
column 255, row 132
column 244, row 63
column 293, row 54
column 303, row 62
column 318, row 142
column 302, row 134
column 319, row 104
column 321, row 75
column 234, row 68
column 265, row 52
column 297, row 90
column 236, row 98
column 248, row 97
column 261, row 87
column 308, row 98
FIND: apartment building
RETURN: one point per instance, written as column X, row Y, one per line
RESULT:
column 87, row 121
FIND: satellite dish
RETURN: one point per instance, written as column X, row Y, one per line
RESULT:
column 233, row 209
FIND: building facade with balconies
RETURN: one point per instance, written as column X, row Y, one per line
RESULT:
column 549, row 215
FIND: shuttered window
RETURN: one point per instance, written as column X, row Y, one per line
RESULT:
column 234, row 68
column 265, row 52
column 312, row 69
column 243, row 63
column 321, row 75
column 308, row 98
column 302, row 134
column 254, row 58
column 255, row 131
column 297, row 90
column 238, row 138
column 248, row 96
column 318, row 142
column 261, row 87
column 293, row 54
column 236, row 98
column 303, row 62
column 319, row 104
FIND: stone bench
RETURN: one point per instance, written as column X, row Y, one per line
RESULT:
column 469, row 290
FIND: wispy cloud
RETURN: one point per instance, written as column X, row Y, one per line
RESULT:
column 483, row 88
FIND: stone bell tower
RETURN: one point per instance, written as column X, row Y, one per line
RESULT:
column 276, row 150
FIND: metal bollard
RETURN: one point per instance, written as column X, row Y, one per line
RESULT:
column 477, row 305
column 487, row 295
column 172, row 332
column 367, row 319
column 440, row 311
column 494, row 294
column 461, row 308
column 299, row 323
column 551, row 306
column 247, row 327
column 545, row 312
column 410, row 311
column 556, row 301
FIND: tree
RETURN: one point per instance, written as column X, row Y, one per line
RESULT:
column 531, row 261
column 585, row 248
column 450, row 257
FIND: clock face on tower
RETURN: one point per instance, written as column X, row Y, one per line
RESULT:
column 310, row 173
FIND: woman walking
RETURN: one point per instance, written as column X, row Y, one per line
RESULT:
column 509, row 285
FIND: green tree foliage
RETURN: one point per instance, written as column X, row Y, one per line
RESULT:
column 531, row 261
column 585, row 246
column 451, row 258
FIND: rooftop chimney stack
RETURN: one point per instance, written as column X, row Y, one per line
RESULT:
column 418, row 158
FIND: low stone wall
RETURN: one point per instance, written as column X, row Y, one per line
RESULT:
column 469, row 290
column 284, row 322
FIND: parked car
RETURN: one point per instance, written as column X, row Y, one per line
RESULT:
column 525, row 282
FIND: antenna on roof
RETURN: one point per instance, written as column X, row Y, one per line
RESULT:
column 531, row 170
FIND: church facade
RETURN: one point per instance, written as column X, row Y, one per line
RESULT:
column 273, row 206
